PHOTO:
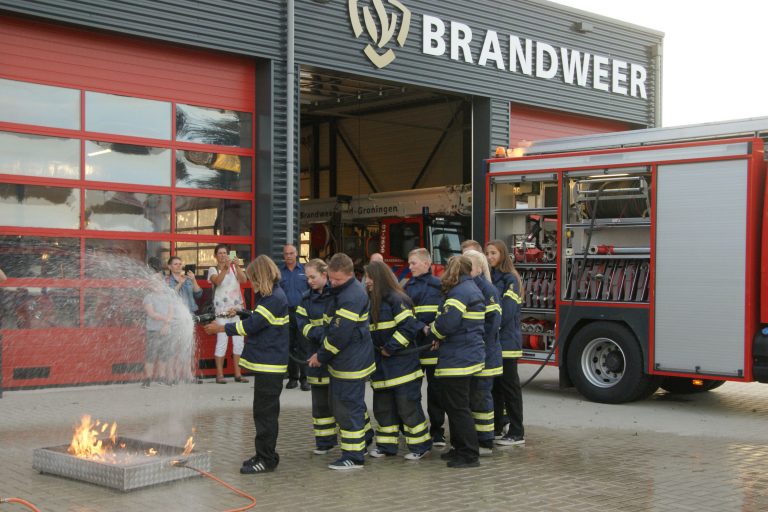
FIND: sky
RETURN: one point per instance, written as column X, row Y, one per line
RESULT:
column 715, row 55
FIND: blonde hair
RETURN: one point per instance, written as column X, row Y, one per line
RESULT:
column 481, row 261
column 263, row 275
column 421, row 253
column 471, row 245
column 457, row 266
column 317, row 264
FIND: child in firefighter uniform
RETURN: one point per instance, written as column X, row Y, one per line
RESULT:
column 309, row 320
column 347, row 350
column 507, row 393
column 266, row 355
column 458, row 330
column 396, row 382
column 424, row 290
column 481, row 386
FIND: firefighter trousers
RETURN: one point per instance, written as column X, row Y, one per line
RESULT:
column 399, row 408
column 481, row 404
column 323, row 422
column 434, row 406
column 348, row 407
column 455, row 399
column 266, row 409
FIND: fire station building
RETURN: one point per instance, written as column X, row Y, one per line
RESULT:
column 149, row 129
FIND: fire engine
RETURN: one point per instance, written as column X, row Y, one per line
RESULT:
column 391, row 223
column 641, row 255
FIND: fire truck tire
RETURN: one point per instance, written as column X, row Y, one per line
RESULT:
column 685, row 386
column 605, row 363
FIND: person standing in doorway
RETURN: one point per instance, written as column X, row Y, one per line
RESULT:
column 226, row 278
column 294, row 283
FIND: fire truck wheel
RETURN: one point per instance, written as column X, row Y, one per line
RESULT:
column 606, row 364
column 685, row 386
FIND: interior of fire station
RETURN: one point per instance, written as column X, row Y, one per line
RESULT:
column 362, row 137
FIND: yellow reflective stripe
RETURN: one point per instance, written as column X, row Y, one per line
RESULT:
column 401, row 339
column 319, row 380
column 352, row 375
column 330, row 420
column 330, row 348
column 386, row 439
column 416, row 440
column 317, row 322
column 383, row 325
column 436, row 332
column 356, row 447
column 511, row 354
column 452, row 372
column 301, row 311
column 392, row 429
column 380, row 384
column 492, row 307
column 417, row 429
column 512, row 295
column 306, row 329
column 403, row 315
column 264, row 368
column 428, row 361
column 349, row 315
column 491, row 372
column 269, row 317
column 457, row 304
column 474, row 315
column 426, row 309
column 239, row 329
column 327, row 319
column 483, row 428
column 352, row 433
column 325, row 432
column 482, row 415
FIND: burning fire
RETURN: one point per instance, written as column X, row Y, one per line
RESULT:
column 90, row 441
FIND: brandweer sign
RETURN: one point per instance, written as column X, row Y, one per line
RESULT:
column 524, row 56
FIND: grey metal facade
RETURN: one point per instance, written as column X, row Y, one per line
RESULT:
column 325, row 39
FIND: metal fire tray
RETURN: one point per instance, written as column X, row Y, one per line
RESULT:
column 142, row 471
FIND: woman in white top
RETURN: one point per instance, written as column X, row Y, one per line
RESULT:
column 226, row 277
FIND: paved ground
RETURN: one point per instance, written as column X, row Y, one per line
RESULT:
column 699, row 453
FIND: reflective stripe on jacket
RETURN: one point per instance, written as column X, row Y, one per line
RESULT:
column 266, row 334
column 459, row 327
column 510, row 336
column 309, row 322
column 425, row 293
column 347, row 348
column 395, row 332
column 493, row 361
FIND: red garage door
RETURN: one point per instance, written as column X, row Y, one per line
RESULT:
column 110, row 147
column 528, row 124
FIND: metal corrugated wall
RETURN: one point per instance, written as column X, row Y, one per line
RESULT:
column 325, row 39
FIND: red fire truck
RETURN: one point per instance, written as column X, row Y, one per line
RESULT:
column 641, row 256
column 390, row 223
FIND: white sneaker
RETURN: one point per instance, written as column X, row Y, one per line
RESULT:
column 510, row 440
column 416, row 456
column 486, row 452
column 377, row 454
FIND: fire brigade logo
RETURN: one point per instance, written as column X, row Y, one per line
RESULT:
column 381, row 34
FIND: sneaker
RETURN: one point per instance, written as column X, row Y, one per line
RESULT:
column 322, row 450
column 416, row 456
column 504, row 431
column 292, row 384
column 377, row 453
column 449, row 455
column 257, row 467
column 305, row 386
column 251, row 461
column 438, row 441
column 462, row 463
column 344, row 464
column 486, row 452
column 510, row 440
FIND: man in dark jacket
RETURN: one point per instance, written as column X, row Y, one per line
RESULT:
column 294, row 283
column 347, row 349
